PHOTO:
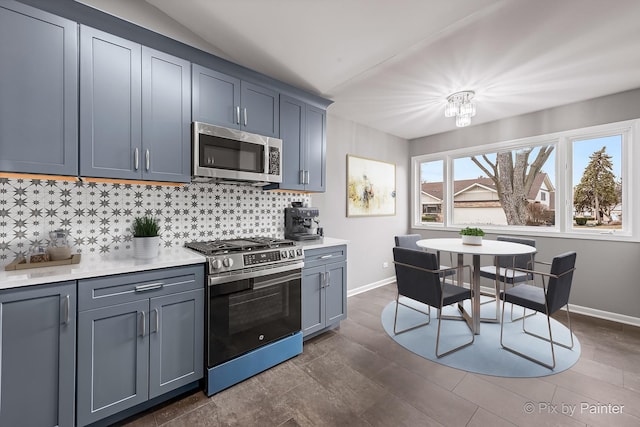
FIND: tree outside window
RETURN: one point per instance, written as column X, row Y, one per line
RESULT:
column 597, row 191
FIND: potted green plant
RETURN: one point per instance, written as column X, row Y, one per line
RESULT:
column 471, row 236
column 146, row 237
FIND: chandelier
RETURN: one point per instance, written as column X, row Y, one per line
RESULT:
column 460, row 106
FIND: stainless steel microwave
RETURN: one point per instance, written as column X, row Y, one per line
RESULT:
column 231, row 155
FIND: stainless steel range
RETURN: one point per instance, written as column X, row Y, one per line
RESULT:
column 253, row 306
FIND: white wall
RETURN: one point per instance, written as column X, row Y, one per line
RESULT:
column 371, row 238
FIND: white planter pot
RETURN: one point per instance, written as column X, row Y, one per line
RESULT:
column 146, row 247
column 472, row 240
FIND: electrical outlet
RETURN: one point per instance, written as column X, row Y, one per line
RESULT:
column 385, row 265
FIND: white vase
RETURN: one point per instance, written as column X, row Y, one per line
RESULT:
column 472, row 240
column 146, row 247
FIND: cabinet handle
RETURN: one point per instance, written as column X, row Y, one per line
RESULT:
column 66, row 301
column 238, row 115
column 136, row 159
column 306, row 179
column 328, row 279
column 147, row 159
column 326, row 256
column 322, row 280
column 149, row 287
column 141, row 323
column 244, row 110
column 301, row 177
column 157, row 320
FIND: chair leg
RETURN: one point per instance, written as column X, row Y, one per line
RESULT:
column 473, row 336
column 549, row 340
column 516, row 352
column 395, row 319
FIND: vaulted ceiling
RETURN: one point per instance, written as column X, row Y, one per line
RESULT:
column 390, row 64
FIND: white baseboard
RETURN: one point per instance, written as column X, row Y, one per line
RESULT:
column 370, row 286
column 587, row 311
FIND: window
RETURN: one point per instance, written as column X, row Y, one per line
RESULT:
column 597, row 183
column 576, row 183
column 503, row 188
column 431, row 192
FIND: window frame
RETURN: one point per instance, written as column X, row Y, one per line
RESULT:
column 563, row 142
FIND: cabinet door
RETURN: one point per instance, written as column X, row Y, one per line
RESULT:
column 110, row 105
column 113, row 360
column 38, row 92
column 215, row 98
column 336, row 292
column 293, row 134
column 176, row 339
column 166, row 117
column 313, row 301
column 260, row 109
column 315, row 149
column 37, row 356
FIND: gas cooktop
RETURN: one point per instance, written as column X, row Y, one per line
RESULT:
column 218, row 247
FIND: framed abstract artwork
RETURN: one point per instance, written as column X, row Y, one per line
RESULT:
column 371, row 187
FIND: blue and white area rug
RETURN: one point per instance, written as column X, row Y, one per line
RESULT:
column 485, row 355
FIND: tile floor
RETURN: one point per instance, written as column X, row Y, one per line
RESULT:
column 357, row 376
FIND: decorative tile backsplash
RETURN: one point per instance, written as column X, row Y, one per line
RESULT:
column 98, row 216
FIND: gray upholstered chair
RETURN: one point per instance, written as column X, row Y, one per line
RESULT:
column 551, row 297
column 409, row 241
column 504, row 268
column 418, row 278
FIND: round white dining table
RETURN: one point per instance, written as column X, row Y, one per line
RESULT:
column 488, row 247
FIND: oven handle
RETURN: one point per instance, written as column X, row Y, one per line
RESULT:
column 214, row 280
column 276, row 281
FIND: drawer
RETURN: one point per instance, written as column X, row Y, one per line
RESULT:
column 121, row 288
column 323, row 256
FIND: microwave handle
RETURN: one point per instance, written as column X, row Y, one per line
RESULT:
column 237, row 114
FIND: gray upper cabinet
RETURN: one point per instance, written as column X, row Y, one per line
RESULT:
column 38, row 91
column 166, row 117
column 134, row 110
column 37, row 355
column 302, row 130
column 223, row 100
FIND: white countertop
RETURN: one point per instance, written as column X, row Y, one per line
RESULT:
column 94, row 265
column 322, row 242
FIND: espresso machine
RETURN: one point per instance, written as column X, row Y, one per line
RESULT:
column 301, row 223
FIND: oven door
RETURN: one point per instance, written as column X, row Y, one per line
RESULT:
column 248, row 313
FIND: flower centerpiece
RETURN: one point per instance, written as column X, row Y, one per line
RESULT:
column 471, row 236
column 146, row 237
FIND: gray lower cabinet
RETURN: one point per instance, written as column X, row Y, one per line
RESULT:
column 324, row 289
column 223, row 100
column 37, row 355
column 38, row 91
column 140, row 335
column 302, row 130
column 135, row 110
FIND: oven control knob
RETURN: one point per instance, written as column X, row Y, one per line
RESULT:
column 227, row 262
column 292, row 253
column 216, row 264
column 284, row 254
column 299, row 252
